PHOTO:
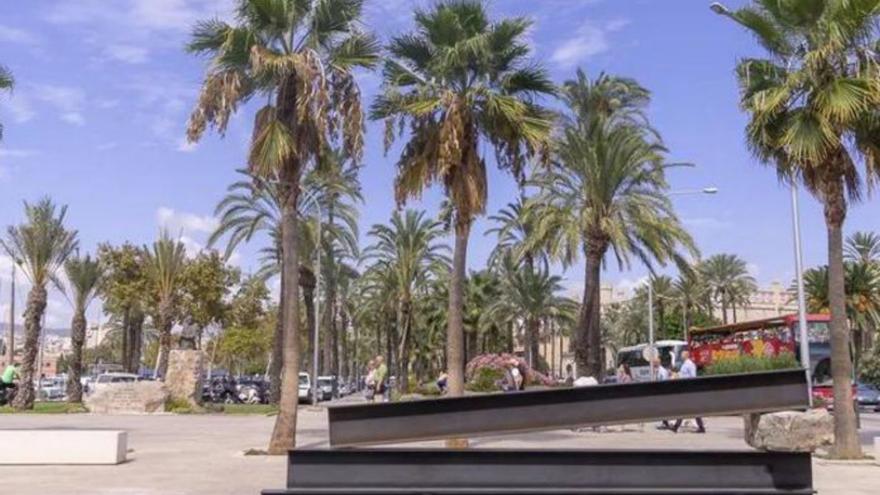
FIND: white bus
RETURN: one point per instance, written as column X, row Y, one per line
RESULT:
column 634, row 356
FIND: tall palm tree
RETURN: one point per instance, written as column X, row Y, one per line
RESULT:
column 727, row 278
column 460, row 78
column 300, row 56
column 862, row 298
column 531, row 295
column 164, row 263
column 84, row 277
column 812, row 105
column 6, row 84
column 863, row 247
column 43, row 244
column 608, row 192
column 410, row 252
column 689, row 292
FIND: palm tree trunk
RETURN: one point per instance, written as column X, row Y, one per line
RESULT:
column 344, row 368
column 405, row 338
column 311, row 328
column 136, row 339
column 533, row 346
column 36, row 306
column 455, row 324
column 284, row 433
column 277, row 359
column 846, row 439
column 588, row 338
column 74, row 369
column 165, row 324
column 126, row 342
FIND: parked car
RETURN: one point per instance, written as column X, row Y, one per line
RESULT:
column 867, row 395
column 106, row 379
column 326, row 387
column 305, row 387
column 52, row 388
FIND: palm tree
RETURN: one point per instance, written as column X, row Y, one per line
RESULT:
column 607, row 192
column 862, row 299
column 6, row 84
column 299, row 56
column 727, row 279
column 43, row 244
column 531, row 295
column 164, row 263
column 812, row 104
column 84, row 276
column 460, row 78
column 689, row 292
column 409, row 251
column 863, row 247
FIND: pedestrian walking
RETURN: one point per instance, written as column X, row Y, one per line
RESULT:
column 662, row 374
column 624, row 374
column 381, row 378
column 370, row 382
column 688, row 370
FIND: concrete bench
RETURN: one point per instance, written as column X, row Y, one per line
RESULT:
column 59, row 446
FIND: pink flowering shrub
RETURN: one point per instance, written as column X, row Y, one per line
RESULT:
column 500, row 363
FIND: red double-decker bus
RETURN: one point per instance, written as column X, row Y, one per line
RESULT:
column 768, row 337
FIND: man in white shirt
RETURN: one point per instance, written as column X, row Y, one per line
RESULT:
column 662, row 375
column 688, row 370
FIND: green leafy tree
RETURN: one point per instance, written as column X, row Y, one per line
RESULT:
column 300, row 57
column 410, row 252
column 7, row 82
column 248, row 306
column 205, row 284
column 123, row 289
column 84, row 278
column 164, row 266
column 812, row 104
column 42, row 243
column 608, row 192
column 458, row 79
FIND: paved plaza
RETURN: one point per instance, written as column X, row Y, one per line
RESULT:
column 203, row 454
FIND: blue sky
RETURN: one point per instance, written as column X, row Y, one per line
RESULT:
column 104, row 90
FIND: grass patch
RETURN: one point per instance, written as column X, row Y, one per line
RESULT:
column 182, row 406
column 48, row 408
column 243, row 409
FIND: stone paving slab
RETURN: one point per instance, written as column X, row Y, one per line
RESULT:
column 203, row 454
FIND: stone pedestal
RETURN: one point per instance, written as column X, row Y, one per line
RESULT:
column 790, row 431
column 184, row 377
column 128, row 398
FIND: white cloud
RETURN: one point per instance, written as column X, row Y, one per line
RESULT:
column 15, row 35
column 17, row 153
column 20, row 108
column 185, row 222
column 107, row 146
column 74, row 118
column 129, row 54
column 139, row 17
column 590, row 39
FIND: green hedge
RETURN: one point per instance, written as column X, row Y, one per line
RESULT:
column 751, row 364
column 485, row 380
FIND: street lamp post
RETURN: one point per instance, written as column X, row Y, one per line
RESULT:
column 315, row 341
column 652, row 349
column 799, row 275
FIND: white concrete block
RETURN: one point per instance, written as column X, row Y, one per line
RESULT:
column 47, row 446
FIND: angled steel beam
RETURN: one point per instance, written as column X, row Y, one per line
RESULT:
column 477, row 471
column 566, row 408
